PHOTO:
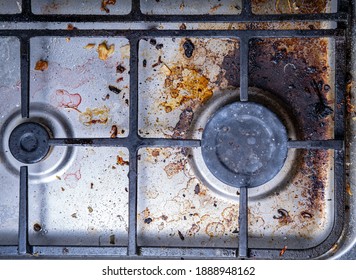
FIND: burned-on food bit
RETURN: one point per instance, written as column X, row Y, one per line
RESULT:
column 104, row 51
column 114, row 89
column 95, row 116
column 159, row 46
column 113, row 131
column 89, row 46
column 183, row 125
column 121, row 161
column 120, row 69
column 188, row 48
column 41, row 65
column 104, row 4
column 71, row 27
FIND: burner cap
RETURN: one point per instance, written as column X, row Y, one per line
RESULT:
column 28, row 142
column 244, row 144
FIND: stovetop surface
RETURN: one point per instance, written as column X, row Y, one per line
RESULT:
column 126, row 106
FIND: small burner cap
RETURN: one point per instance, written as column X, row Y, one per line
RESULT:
column 244, row 144
column 28, row 142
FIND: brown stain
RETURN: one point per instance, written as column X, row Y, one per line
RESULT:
column 289, row 6
column 183, row 124
column 297, row 72
column 215, row 229
column 283, row 217
column 230, row 216
column 174, row 168
column 121, row 161
column 184, row 85
column 113, row 131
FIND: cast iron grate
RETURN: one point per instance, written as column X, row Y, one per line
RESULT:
column 134, row 142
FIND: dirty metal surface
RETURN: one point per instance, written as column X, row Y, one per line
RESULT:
column 84, row 92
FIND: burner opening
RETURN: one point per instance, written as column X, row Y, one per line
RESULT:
column 244, row 144
column 28, row 142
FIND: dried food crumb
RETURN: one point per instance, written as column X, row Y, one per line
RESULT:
column 113, row 131
column 37, row 227
column 74, row 215
column 148, row 220
column 90, row 46
column 90, row 209
column 104, row 51
column 41, row 65
column 121, row 161
column 104, row 4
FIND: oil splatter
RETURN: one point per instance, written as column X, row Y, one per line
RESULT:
column 95, row 116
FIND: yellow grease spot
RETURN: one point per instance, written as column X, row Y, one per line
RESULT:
column 185, row 85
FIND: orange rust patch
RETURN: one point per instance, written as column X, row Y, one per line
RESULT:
column 185, row 85
column 95, row 116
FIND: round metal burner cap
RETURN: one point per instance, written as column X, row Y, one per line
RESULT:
column 28, row 142
column 244, row 145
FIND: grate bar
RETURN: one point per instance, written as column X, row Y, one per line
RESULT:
column 133, row 137
column 317, row 144
column 25, row 83
column 243, row 224
column 137, row 16
column 176, row 33
column 23, row 246
column 244, row 50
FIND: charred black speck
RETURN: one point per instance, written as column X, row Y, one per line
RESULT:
column 37, row 227
column 144, row 63
column 78, row 141
column 188, row 48
column 180, row 235
column 148, row 220
column 153, row 42
column 114, row 89
column 159, row 46
column 120, row 69
column 197, row 189
column 112, row 239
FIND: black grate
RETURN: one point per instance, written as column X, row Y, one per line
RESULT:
column 134, row 142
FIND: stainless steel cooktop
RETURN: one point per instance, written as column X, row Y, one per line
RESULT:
column 171, row 129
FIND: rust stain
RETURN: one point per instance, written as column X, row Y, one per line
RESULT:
column 215, row 229
column 283, row 218
column 185, row 85
column 95, row 116
column 301, row 80
column 230, row 216
column 174, row 168
column 289, row 6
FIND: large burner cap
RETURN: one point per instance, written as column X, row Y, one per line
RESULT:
column 28, row 142
column 244, row 144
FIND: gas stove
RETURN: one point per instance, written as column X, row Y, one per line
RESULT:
column 172, row 129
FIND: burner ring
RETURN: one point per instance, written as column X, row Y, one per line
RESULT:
column 244, row 144
column 28, row 142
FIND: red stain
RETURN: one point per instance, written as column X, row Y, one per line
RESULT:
column 68, row 100
column 76, row 175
